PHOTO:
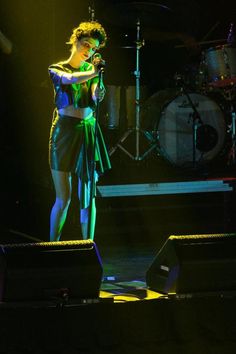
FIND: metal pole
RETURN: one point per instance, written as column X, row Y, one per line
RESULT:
column 137, row 92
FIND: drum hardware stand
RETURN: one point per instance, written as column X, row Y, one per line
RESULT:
column 136, row 129
column 232, row 152
column 233, row 136
column 196, row 120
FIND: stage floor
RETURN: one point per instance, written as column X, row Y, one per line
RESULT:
column 124, row 273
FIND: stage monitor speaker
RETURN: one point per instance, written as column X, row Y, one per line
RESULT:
column 194, row 264
column 50, row 271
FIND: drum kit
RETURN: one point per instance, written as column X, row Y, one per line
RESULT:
column 187, row 126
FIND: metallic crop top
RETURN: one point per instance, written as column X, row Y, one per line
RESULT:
column 78, row 95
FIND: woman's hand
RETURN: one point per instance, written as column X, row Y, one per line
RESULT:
column 98, row 62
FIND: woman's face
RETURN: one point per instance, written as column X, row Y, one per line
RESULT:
column 86, row 47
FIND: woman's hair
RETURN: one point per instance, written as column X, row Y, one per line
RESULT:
column 91, row 29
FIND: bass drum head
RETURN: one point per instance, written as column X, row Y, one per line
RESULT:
column 174, row 124
column 153, row 107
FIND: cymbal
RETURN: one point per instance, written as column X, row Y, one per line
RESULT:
column 215, row 41
column 128, row 14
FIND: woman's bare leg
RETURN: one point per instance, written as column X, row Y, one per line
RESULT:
column 84, row 213
column 84, row 220
column 63, row 187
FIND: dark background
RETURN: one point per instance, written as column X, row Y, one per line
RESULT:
column 39, row 31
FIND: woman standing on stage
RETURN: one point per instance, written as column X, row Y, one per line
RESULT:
column 72, row 136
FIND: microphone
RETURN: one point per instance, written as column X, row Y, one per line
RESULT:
column 98, row 61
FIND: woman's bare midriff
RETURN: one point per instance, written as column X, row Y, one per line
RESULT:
column 80, row 113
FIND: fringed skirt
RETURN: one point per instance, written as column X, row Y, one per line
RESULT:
column 71, row 149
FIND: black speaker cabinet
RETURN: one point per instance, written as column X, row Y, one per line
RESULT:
column 194, row 264
column 50, row 270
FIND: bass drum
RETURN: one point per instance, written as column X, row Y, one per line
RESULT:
column 169, row 115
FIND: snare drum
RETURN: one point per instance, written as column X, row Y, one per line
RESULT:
column 221, row 65
column 174, row 127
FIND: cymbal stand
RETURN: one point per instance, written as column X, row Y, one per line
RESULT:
column 233, row 136
column 232, row 152
column 136, row 130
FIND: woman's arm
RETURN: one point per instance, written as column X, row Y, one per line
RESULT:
column 73, row 78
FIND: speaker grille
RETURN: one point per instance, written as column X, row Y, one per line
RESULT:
column 49, row 245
